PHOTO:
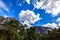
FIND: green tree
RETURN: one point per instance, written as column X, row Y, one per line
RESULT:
column 9, row 31
column 54, row 34
column 23, row 34
column 33, row 34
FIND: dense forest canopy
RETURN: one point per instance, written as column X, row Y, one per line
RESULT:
column 14, row 30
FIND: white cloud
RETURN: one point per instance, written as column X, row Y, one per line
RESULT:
column 3, row 6
column 51, row 25
column 59, row 24
column 27, row 23
column 58, row 20
column 5, row 16
column 28, row 17
column 28, row 1
column 51, row 6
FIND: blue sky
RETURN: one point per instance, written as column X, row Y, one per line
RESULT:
column 12, row 8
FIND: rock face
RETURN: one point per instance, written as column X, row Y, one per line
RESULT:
column 5, row 19
column 43, row 30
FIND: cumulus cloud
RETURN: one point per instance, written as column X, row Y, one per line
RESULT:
column 28, row 1
column 27, row 23
column 3, row 6
column 51, row 25
column 28, row 17
column 51, row 6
